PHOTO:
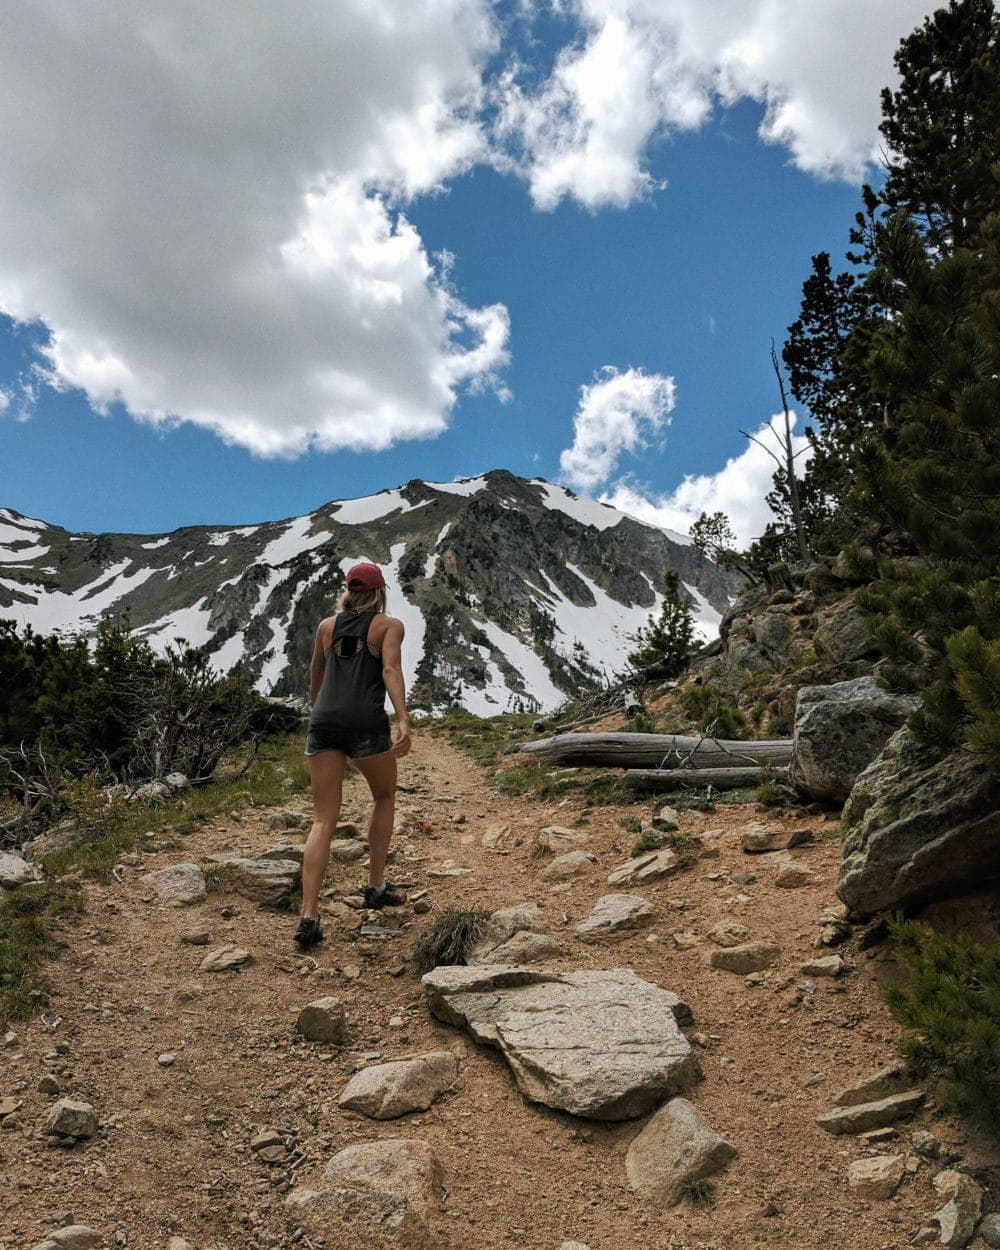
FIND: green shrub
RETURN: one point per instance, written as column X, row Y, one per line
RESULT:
column 450, row 939
column 648, row 842
column 631, row 824
column 713, row 714
column 950, row 1002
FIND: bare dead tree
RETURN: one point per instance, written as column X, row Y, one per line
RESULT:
column 785, row 458
column 35, row 782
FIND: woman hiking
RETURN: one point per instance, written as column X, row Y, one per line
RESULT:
column 356, row 662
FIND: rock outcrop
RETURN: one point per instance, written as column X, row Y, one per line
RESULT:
column 918, row 828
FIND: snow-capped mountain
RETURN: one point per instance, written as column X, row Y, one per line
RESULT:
column 514, row 593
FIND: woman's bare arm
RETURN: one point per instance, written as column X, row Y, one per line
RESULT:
column 392, row 675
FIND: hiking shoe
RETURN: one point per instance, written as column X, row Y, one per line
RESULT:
column 309, row 932
column 387, row 895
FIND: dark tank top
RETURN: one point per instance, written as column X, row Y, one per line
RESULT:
column 352, row 696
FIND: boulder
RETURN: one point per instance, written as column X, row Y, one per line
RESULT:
column 76, row 1237
column 70, row 1118
column 868, row 1115
column 565, row 867
column 179, row 885
column 379, row 1193
column 877, row 1177
column 347, row 850
column 506, row 926
column 958, row 1218
column 652, row 866
column 757, row 839
column 322, row 1020
column 558, row 839
column 823, row 966
column 15, row 871
column 918, row 828
column 839, row 730
column 614, row 915
column 524, row 947
column 675, row 1148
column 844, row 636
column 603, row 1045
column 744, row 959
column 385, row 1091
column 792, row 875
column 268, row 882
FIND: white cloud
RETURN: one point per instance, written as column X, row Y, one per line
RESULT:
column 738, row 489
column 202, row 205
column 647, row 68
column 617, row 413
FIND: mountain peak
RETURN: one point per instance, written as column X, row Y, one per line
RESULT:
column 514, row 592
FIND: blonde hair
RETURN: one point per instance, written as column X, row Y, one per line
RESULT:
column 362, row 600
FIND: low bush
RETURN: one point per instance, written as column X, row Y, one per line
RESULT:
column 950, row 1003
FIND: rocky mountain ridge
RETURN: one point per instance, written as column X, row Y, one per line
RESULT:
column 515, row 594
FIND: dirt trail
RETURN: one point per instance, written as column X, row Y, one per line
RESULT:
column 174, row 1153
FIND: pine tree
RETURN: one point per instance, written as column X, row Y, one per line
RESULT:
column 664, row 644
column 942, row 124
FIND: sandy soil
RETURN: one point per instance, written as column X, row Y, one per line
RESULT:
column 173, row 1156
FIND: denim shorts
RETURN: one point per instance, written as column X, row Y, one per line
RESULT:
column 358, row 746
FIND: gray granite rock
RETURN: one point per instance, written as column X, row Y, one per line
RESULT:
column 651, row 866
column 605, row 1045
column 269, row 882
column 868, row 1115
column 675, row 1148
column 615, row 915
column 385, row 1091
column 179, row 885
column 918, row 828
column 323, row 1020
column 839, row 730
column 385, row 1191
column 15, row 871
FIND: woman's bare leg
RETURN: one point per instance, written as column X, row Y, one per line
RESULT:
column 327, row 773
column 380, row 773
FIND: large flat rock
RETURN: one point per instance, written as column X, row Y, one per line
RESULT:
column 604, row 1045
column 269, row 882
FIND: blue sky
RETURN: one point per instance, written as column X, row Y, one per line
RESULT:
column 682, row 260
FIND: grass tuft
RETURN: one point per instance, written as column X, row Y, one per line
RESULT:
column 449, row 940
column 699, row 1192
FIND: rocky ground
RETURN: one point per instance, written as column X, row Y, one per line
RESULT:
column 210, row 1109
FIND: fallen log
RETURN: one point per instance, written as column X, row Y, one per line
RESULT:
column 624, row 750
column 698, row 778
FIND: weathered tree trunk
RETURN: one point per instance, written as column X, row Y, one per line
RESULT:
column 718, row 778
column 622, row 750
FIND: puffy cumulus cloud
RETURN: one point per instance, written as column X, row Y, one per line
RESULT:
column 738, row 489
column 642, row 69
column 204, row 206
column 617, row 413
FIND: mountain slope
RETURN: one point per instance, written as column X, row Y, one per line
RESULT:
column 514, row 593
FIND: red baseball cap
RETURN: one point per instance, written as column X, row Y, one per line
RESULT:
column 365, row 577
